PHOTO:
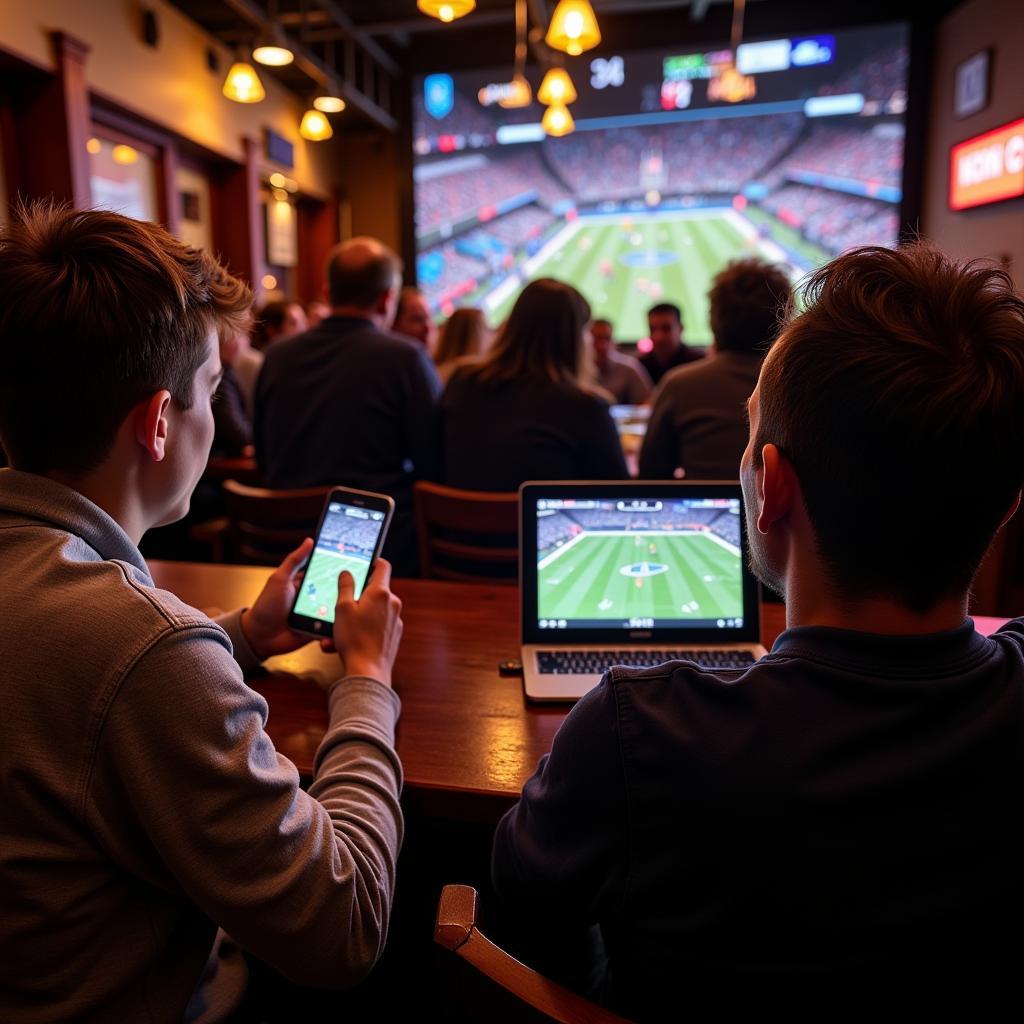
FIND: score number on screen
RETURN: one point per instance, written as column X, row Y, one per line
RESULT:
column 607, row 72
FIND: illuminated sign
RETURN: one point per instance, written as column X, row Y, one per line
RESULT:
column 438, row 95
column 756, row 58
column 987, row 168
column 811, row 51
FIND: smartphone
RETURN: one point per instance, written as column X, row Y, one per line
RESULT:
column 350, row 534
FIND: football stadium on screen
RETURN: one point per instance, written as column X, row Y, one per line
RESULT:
column 658, row 563
column 674, row 168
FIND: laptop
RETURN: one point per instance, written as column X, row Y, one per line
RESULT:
column 632, row 574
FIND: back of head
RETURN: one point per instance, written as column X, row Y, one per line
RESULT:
column 898, row 397
column 360, row 271
column 98, row 312
column 748, row 299
column 542, row 337
column 462, row 335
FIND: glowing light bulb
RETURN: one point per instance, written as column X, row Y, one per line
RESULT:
column 445, row 12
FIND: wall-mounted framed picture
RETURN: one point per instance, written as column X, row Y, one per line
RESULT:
column 971, row 84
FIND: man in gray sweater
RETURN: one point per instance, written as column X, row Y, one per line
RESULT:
column 145, row 815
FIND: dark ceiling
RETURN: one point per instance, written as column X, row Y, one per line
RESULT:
column 370, row 46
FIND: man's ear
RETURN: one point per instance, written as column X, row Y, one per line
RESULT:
column 777, row 487
column 1012, row 511
column 151, row 424
column 385, row 303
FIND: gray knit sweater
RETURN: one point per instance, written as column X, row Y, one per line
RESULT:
column 142, row 805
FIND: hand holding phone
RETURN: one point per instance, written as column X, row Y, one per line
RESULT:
column 367, row 632
column 349, row 537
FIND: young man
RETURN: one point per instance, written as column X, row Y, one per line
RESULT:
column 144, row 807
column 698, row 426
column 665, row 325
column 841, row 825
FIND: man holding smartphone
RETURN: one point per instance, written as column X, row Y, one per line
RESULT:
column 146, row 815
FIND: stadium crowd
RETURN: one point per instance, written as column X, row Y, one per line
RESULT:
column 834, row 220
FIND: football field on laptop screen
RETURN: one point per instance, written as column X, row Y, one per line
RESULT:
column 642, row 563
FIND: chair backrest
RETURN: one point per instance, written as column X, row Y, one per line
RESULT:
column 264, row 525
column 467, row 535
column 456, row 931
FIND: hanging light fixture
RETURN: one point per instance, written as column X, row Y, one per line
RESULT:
column 242, row 84
column 557, row 121
column 329, row 102
column 271, row 48
column 573, row 28
column 446, row 10
column 315, row 126
column 557, row 88
column 519, row 92
column 732, row 85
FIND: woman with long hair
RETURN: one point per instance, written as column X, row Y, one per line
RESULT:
column 521, row 413
column 463, row 337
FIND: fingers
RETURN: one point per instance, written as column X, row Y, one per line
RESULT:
column 381, row 573
column 346, row 587
column 294, row 561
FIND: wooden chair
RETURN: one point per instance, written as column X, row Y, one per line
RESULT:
column 513, row 991
column 264, row 525
column 467, row 535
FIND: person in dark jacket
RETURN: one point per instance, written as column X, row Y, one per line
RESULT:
column 350, row 403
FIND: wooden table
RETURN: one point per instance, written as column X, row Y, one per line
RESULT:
column 467, row 737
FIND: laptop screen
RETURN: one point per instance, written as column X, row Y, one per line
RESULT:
column 636, row 561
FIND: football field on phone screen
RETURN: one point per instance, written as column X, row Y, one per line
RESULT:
column 319, row 588
column 641, row 575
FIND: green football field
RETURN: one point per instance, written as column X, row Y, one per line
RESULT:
column 667, row 576
column 625, row 265
column 319, row 591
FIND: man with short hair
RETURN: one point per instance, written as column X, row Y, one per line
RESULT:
column 412, row 317
column 144, row 807
column 350, row 403
column 698, row 427
column 840, row 824
column 665, row 327
column 621, row 376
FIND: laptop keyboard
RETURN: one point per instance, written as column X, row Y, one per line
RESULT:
column 598, row 662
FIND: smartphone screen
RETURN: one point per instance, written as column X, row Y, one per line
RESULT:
column 349, row 538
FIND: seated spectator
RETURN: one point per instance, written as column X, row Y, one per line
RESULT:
column 412, row 317
column 464, row 336
column 841, row 820
column 315, row 312
column 698, row 427
column 146, row 815
column 276, row 320
column 350, row 403
column 665, row 324
column 623, row 377
column 520, row 413
column 232, row 426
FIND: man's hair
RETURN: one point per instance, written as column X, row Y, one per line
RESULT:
column 361, row 282
column 898, row 397
column 748, row 300
column 542, row 337
column 666, row 308
column 602, row 320
column 97, row 312
column 270, row 315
